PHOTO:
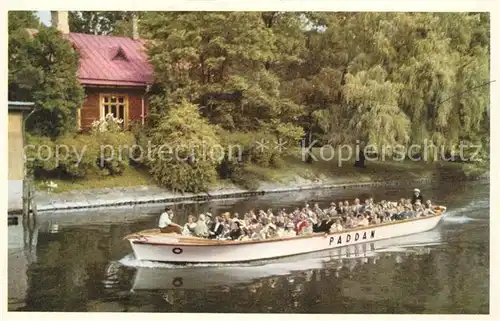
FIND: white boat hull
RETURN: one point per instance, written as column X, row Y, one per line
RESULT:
column 164, row 248
column 195, row 277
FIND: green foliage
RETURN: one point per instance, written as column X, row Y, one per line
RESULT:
column 245, row 179
column 22, row 19
column 200, row 55
column 39, row 158
column 184, row 150
column 250, row 78
column 115, row 151
column 77, row 156
column 101, row 22
column 43, row 69
column 408, row 74
column 81, row 157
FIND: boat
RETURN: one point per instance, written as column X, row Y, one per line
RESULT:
column 194, row 277
column 153, row 245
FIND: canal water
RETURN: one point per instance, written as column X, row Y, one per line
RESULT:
column 80, row 262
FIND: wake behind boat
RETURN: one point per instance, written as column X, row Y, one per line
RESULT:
column 157, row 245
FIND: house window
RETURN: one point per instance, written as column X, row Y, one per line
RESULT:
column 116, row 105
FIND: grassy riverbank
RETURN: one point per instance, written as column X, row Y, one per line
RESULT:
column 290, row 170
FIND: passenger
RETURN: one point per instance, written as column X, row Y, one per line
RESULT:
column 188, row 228
column 368, row 206
column 313, row 218
column 269, row 231
column 236, row 231
column 301, row 224
column 332, row 210
column 387, row 217
column 362, row 220
column 408, row 210
column 307, row 229
column 289, row 230
column 418, row 208
column 208, row 219
column 227, row 217
column 280, row 219
column 201, row 228
column 254, row 235
column 317, row 210
column 368, row 214
column 216, row 229
column 336, row 227
column 356, row 207
column 340, row 208
column 428, row 208
column 348, row 222
column 165, row 222
column 245, row 236
column 208, row 216
column 321, row 226
column 280, row 229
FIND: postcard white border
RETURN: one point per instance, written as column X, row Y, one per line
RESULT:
column 283, row 5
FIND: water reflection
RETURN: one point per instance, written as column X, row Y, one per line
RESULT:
column 23, row 237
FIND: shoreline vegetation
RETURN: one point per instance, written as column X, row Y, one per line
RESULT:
column 136, row 187
column 291, row 170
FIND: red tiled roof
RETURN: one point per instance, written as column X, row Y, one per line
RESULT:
column 99, row 64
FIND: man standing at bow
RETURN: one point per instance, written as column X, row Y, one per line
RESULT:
column 417, row 196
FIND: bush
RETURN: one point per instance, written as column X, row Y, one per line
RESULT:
column 114, row 145
column 38, row 158
column 256, row 147
column 181, row 145
column 80, row 158
column 105, row 151
column 245, row 179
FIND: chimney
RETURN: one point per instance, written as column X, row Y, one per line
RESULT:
column 135, row 31
column 60, row 21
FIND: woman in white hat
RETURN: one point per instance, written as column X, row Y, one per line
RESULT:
column 201, row 228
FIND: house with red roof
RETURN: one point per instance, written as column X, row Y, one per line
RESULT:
column 114, row 72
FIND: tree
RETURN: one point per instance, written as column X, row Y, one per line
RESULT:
column 184, row 150
column 222, row 61
column 43, row 69
column 22, row 19
column 116, row 23
column 429, row 61
column 383, row 78
column 95, row 22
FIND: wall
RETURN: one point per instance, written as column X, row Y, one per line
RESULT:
column 90, row 108
column 16, row 157
column 16, row 162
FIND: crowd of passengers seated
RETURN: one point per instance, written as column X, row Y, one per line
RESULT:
column 257, row 225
